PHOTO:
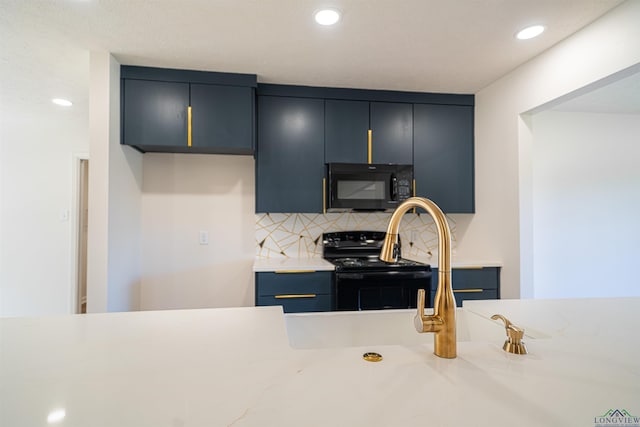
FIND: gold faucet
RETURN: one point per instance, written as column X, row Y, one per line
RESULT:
column 443, row 321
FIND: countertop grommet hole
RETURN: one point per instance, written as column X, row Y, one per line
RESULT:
column 372, row 357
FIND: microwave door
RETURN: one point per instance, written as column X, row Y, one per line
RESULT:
column 360, row 192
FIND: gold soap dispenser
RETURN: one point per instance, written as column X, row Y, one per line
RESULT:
column 514, row 343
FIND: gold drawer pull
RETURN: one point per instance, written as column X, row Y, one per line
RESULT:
column 467, row 291
column 293, row 271
column 189, row 127
column 292, row 296
column 469, row 267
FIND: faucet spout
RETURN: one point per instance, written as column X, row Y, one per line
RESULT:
column 443, row 320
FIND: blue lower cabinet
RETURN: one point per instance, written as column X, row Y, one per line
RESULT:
column 296, row 291
column 471, row 283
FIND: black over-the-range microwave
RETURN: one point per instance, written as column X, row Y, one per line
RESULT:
column 367, row 187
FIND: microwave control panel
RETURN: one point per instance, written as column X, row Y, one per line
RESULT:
column 404, row 189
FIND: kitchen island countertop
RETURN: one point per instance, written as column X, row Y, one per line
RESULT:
column 235, row 367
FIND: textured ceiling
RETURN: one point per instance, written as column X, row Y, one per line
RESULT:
column 457, row 46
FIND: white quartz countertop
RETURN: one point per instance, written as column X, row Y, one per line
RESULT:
column 292, row 264
column 236, row 367
column 320, row 264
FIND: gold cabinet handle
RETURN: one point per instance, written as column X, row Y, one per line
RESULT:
column 293, row 271
column 293, row 296
column 470, row 267
column 369, row 145
column 415, row 210
column 324, row 195
column 467, row 291
column 189, row 127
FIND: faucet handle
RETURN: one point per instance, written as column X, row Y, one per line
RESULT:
column 514, row 343
column 418, row 320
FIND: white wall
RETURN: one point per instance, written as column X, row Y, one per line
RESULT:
column 586, row 198
column 38, row 141
column 182, row 195
column 503, row 183
column 35, row 184
column 115, row 182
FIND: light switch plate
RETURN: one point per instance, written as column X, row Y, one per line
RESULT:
column 204, row 237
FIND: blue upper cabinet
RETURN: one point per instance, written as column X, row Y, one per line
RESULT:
column 444, row 156
column 346, row 131
column 222, row 118
column 155, row 113
column 347, row 126
column 391, row 132
column 290, row 155
column 300, row 128
column 183, row 111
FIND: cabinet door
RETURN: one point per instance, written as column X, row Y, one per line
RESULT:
column 392, row 126
column 346, row 130
column 222, row 118
column 471, row 283
column 443, row 156
column 155, row 113
column 290, row 160
column 296, row 292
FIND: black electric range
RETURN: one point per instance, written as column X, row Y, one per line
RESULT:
column 363, row 281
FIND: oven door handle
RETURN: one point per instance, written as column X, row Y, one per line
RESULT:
column 384, row 275
column 349, row 276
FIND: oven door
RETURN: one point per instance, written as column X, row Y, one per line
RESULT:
column 381, row 290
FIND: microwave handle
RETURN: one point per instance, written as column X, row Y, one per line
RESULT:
column 394, row 187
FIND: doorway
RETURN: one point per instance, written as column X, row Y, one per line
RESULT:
column 82, row 236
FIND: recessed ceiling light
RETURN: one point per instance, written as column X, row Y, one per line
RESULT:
column 530, row 32
column 62, row 102
column 327, row 16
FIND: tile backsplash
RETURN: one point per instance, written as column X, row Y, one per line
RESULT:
column 299, row 235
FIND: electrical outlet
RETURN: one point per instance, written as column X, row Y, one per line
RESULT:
column 204, row 237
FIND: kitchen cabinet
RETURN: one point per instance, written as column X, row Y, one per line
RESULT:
column 392, row 132
column 290, row 158
column 476, row 283
column 223, row 118
column 185, row 112
column 443, row 155
column 155, row 114
column 347, row 123
column 346, row 128
column 296, row 291
column 300, row 128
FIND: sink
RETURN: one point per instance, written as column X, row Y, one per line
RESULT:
column 378, row 327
